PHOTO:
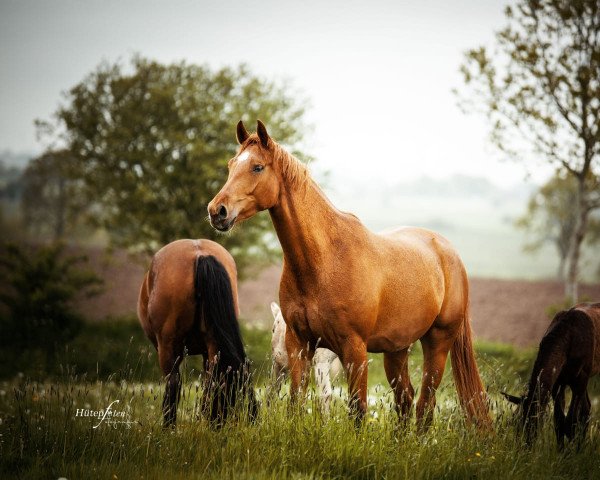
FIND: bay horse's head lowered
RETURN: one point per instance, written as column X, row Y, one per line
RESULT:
column 253, row 181
column 567, row 358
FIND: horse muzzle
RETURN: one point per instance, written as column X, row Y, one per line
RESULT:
column 220, row 217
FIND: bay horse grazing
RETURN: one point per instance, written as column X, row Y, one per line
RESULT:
column 569, row 354
column 351, row 290
column 188, row 303
column 326, row 364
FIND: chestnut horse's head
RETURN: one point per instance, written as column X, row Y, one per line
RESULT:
column 253, row 182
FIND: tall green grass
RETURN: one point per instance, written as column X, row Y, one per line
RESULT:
column 42, row 438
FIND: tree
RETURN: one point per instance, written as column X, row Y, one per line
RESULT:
column 38, row 290
column 550, row 218
column 51, row 202
column 152, row 144
column 541, row 92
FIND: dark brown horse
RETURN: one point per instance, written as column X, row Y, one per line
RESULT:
column 568, row 356
column 350, row 290
column 188, row 303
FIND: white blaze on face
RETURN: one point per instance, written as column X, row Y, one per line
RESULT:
column 243, row 157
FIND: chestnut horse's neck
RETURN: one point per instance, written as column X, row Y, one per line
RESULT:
column 309, row 227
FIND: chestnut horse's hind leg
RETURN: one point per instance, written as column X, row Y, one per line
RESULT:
column 396, row 370
column 170, row 360
column 436, row 345
column 354, row 360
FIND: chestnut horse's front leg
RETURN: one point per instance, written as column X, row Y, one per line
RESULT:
column 354, row 359
column 396, row 370
column 299, row 359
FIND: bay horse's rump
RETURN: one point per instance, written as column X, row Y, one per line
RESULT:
column 188, row 304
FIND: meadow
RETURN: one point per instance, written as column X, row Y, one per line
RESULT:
column 41, row 436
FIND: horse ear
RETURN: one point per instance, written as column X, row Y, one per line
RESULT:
column 512, row 398
column 241, row 133
column 262, row 133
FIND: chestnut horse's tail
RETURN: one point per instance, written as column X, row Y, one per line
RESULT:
column 215, row 304
column 471, row 393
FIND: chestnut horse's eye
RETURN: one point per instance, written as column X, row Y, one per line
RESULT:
column 257, row 168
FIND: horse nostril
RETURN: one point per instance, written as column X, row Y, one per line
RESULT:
column 222, row 212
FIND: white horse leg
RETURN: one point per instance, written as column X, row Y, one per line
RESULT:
column 279, row 367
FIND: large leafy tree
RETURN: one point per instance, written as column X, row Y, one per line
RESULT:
column 151, row 144
column 540, row 88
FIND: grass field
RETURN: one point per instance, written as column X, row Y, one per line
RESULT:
column 41, row 436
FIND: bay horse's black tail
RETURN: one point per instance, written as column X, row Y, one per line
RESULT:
column 215, row 305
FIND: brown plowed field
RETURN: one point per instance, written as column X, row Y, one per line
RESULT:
column 512, row 311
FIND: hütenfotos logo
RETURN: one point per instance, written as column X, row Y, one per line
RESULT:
column 108, row 415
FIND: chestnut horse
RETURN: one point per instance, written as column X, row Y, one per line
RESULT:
column 188, row 303
column 569, row 355
column 350, row 290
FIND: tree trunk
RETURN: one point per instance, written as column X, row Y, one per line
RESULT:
column 560, row 274
column 581, row 219
column 61, row 209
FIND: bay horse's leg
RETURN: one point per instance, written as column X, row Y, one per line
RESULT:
column 396, row 370
column 169, row 359
column 559, row 414
column 436, row 345
column 584, row 416
column 299, row 359
column 354, row 360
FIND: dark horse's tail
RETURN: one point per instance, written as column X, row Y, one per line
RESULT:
column 215, row 305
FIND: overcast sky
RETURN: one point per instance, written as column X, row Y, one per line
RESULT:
column 378, row 74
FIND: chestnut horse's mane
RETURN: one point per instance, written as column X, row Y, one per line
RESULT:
column 294, row 172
